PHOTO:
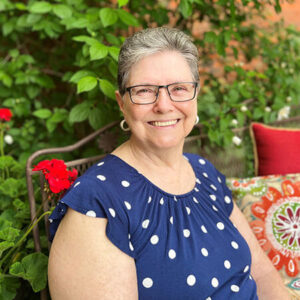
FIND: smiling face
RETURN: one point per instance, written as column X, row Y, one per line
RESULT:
column 165, row 123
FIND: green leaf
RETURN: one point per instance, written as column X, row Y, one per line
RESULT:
column 40, row 7
column 9, row 234
column 98, row 51
column 86, row 84
column 185, row 8
column 33, row 268
column 7, row 28
column 86, row 39
column 42, row 113
column 95, row 118
column 107, row 88
column 62, row 11
column 59, row 115
column 122, row 2
column 108, row 16
column 79, row 112
column 8, row 287
column 210, row 37
column 114, row 52
column 127, row 18
column 51, row 126
column 32, row 91
column 5, row 245
column 80, row 74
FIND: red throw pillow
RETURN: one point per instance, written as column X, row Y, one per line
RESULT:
column 276, row 150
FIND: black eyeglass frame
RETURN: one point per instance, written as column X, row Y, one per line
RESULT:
column 128, row 89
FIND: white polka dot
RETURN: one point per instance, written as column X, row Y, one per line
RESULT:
column 203, row 228
column 220, row 226
column 234, row 288
column 100, row 163
column 154, row 239
column 195, row 200
column 246, row 269
column 227, row 199
column 149, row 199
column 196, row 190
column 191, row 280
column 161, row 201
column 213, row 187
column 147, row 282
column 213, row 197
column 171, row 220
column 250, row 277
column 172, row 253
column 208, row 298
column 50, row 220
column 215, row 282
column 214, row 208
column 127, row 204
column 129, row 236
column 219, row 179
column 227, row 264
column 204, row 252
column 175, row 199
column 91, row 213
column 188, row 210
column 77, row 183
column 186, row 233
column 145, row 223
column 202, row 161
column 130, row 246
column 205, row 174
column 101, row 177
column 234, row 245
column 198, row 181
column 125, row 183
column 112, row 212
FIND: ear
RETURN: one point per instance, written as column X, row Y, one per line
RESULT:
column 120, row 101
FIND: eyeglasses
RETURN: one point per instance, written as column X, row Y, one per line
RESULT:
column 148, row 94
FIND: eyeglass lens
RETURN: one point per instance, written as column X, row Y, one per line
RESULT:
column 182, row 91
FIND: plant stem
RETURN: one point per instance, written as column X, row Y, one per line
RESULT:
column 1, row 140
column 20, row 241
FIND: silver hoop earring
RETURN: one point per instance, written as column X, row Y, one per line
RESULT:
column 122, row 123
column 197, row 120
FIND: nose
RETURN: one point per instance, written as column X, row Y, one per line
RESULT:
column 163, row 102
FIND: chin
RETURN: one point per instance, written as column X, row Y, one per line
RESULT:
column 167, row 143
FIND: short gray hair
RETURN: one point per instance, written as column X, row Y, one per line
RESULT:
column 151, row 41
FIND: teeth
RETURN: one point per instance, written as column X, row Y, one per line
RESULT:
column 161, row 124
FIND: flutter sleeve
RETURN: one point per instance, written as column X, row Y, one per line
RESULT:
column 94, row 198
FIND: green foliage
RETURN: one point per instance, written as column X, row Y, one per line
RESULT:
column 58, row 73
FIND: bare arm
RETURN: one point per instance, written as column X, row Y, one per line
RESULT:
column 269, row 283
column 84, row 264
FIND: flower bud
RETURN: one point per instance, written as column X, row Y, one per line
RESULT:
column 234, row 122
column 267, row 109
column 236, row 140
column 288, row 99
column 8, row 139
column 244, row 108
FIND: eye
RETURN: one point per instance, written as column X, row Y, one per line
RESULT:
column 143, row 90
column 179, row 88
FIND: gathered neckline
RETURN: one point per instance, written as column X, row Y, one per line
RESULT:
column 137, row 173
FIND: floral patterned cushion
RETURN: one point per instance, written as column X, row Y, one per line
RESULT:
column 271, row 205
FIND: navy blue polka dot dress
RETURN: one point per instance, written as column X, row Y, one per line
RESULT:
column 184, row 246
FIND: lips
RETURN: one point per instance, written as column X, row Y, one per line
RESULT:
column 163, row 123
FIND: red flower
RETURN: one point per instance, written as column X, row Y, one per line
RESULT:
column 57, row 175
column 5, row 114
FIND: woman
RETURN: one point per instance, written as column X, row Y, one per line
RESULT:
column 147, row 221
